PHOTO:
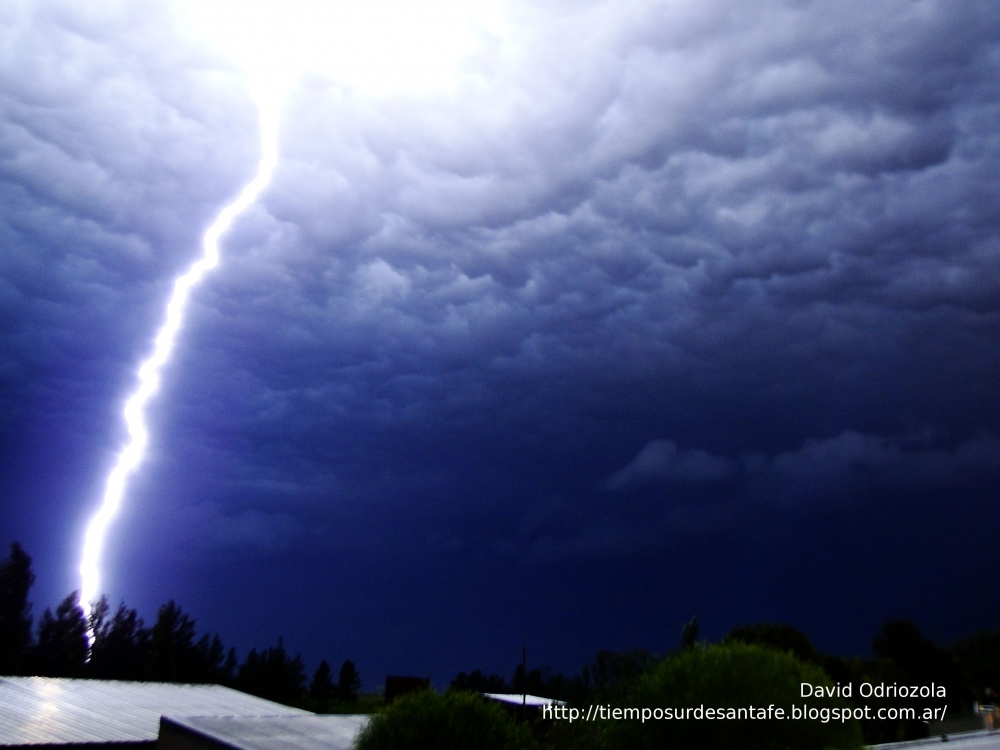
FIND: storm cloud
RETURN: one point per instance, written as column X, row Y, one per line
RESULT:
column 647, row 278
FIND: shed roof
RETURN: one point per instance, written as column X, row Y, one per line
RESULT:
column 333, row 732
column 518, row 699
column 54, row 711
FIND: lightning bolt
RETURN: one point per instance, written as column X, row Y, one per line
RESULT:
column 377, row 46
column 149, row 371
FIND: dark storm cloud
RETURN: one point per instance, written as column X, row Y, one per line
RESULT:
column 650, row 276
column 683, row 504
column 766, row 201
column 99, row 134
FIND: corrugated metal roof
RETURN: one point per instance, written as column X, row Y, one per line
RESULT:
column 335, row 732
column 47, row 710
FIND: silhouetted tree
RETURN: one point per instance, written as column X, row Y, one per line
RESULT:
column 322, row 688
column 539, row 681
column 530, row 683
column 918, row 659
column 121, row 642
column 97, row 618
column 272, row 674
column 477, row 682
column 62, row 639
column 613, row 673
column 348, row 682
column 907, row 657
column 212, row 664
column 232, row 665
column 978, row 657
column 98, row 624
column 778, row 636
column 172, row 653
column 16, row 579
column 689, row 633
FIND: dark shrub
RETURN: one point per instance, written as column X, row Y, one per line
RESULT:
column 732, row 676
column 456, row 720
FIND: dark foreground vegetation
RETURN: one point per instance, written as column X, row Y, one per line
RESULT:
column 124, row 647
column 761, row 665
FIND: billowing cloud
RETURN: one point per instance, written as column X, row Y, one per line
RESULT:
column 839, row 474
column 850, row 465
column 661, row 461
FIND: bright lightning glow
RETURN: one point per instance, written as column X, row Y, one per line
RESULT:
column 372, row 47
column 149, row 371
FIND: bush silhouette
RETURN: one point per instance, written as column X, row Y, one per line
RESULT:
column 456, row 720
column 732, row 676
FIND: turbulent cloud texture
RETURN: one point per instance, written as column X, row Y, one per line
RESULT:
column 674, row 292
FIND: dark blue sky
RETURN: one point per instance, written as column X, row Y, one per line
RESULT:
column 657, row 309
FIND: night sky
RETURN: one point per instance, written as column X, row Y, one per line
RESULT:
column 647, row 310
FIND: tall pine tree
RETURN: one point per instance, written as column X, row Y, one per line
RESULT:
column 16, row 579
column 62, row 639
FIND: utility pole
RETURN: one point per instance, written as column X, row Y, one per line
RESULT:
column 524, row 681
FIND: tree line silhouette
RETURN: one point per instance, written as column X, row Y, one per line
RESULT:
column 124, row 647
column 967, row 670
column 118, row 645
